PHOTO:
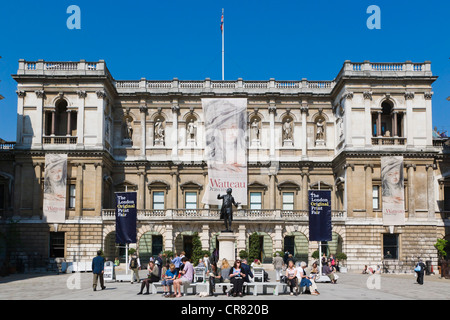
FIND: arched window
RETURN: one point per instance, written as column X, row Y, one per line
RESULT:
column 387, row 122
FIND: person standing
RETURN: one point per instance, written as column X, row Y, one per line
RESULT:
column 420, row 271
column 278, row 266
column 98, row 265
column 177, row 262
column 135, row 266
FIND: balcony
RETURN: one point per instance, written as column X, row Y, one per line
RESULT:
column 387, row 141
column 266, row 215
column 59, row 140
column 5, row 145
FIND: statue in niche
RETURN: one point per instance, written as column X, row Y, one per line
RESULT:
column 159, row 132
column 128, row 130
column 255, row 129
column 320, row 130
column 287, row 132
column 191, row 132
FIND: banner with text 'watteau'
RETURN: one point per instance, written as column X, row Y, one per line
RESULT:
column 55, row 176
column 393, row 191
column 226, row 150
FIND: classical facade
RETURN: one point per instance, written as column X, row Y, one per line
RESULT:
column 148, row 136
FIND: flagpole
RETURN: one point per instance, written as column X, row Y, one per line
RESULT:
column 223, row 48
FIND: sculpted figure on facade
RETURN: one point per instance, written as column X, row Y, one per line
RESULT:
column 159, row 131
column 287, row 132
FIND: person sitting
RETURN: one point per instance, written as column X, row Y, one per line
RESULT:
column 153, row 276
column 169, row 276
column 200, row 263
column 365, row 271
column 187, row 276
column 313, row 276
column 237, row 278
column 214, row 277
column 225, row 273
column 305, row 281
column 247, row 271
column 329, row 271
column 291, row 277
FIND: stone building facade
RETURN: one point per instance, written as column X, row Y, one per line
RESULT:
column 148, row 136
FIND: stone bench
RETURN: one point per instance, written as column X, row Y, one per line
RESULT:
column 193, row 286
column 275, row 285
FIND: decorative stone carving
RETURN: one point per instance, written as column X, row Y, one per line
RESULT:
column 255, row 132
column 320, row 132
column 101, row 94
column 191, row 131
column 367, row 95
column 128, row 130
column 40, row 93
column 81, row 94
column 409, row 95
column 287, row 133
column 428, row 95
column 21, row 93
column 159, row 132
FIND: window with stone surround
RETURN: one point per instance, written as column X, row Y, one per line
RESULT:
column 190, row 200
column 158, row 200
column 376, row 197
column 57, row 240
column 390, row 246
column 255, row 200
column 288, row 201
column 72, row 195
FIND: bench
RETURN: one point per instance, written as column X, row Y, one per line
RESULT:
column 275, row 285
column 157, row 285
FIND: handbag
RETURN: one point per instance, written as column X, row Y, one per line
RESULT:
column 418, row 268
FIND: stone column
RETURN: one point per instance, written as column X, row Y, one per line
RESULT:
column 20, row 103
column 411, row 203
column 80, row 118
column 205, row 237
column 368, row 117
column 378, row 123
column 98, row 188
column 37, row 195
column 143, row 110
column 141, row 191
column 394, row 125
column 430, row 192
column 369, row 196
column 174, row 188
column 272, row 111
column 409, row 97
column 305, row 187
column 429, row 126
column 175, row 110
column 347, row 102
column 241, row 238
column 272, row 191
column 278, row 240
column 17, row 188
column 168, row 243
column 53, row 122
column 69, row 126
column 205, row 183
column 79, row 190
column 304, row 111
column 37, row 139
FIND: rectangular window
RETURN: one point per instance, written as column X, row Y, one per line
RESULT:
column 158, row 200
column 72, row 195
column 191, row 200
column 288, row 201
column 376, row 197
column 390, row 246
column 255, row 200
column 56, row 245
column 446, row 198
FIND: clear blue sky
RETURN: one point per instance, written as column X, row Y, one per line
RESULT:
column 285, row 40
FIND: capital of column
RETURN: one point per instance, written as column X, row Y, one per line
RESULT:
column 81, row 94
column 367, row 95
column 101, row 94
column 143, row 108
column 409, row 95
column 40, row 93
column 272, row 108
column 21, row 93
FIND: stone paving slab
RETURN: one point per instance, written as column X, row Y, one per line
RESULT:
column 350, row 286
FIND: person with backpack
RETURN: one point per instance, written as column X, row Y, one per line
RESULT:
column 135, row 266
column 420, row 271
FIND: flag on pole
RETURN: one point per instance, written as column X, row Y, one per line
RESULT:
column 221, row 22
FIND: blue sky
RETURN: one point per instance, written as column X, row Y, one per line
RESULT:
column 285, row 40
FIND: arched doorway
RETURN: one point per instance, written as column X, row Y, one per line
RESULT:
column 114, row 250
column 150, row 245
column 183, row 242
column 265, row 247
column 296, row 243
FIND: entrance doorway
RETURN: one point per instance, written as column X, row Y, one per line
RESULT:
column 187, row 246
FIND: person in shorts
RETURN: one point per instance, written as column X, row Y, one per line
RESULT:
column 187, row 275
column 169, row 277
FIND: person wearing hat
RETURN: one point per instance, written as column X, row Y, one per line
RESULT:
column 226, row 212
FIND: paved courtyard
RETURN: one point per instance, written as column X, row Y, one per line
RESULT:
column 78, row 286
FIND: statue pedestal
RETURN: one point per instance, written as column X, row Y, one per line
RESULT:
column 159, row 142
column 288, row 143
column 127, row 142
column 191, row 142
column 227, row 247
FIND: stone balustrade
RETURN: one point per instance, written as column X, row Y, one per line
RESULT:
column 214, row 214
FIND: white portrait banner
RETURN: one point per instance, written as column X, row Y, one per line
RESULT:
column 392, row 186
column 226, row 150
column 54, row 206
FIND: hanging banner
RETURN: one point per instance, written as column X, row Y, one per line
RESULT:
column 319, row 215
column 226, row 150
column 55, row 176
column 393, row 194
column 126, row 215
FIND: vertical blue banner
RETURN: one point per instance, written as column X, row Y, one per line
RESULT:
column 319, row 215
column 126, row 215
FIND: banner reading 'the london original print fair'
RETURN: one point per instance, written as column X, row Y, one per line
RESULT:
column 54, row 206
column 226, row 152
column 392, row 185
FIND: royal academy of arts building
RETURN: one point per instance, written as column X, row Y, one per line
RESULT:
column 366, row 136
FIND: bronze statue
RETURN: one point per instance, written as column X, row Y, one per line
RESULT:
column 226, row 212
